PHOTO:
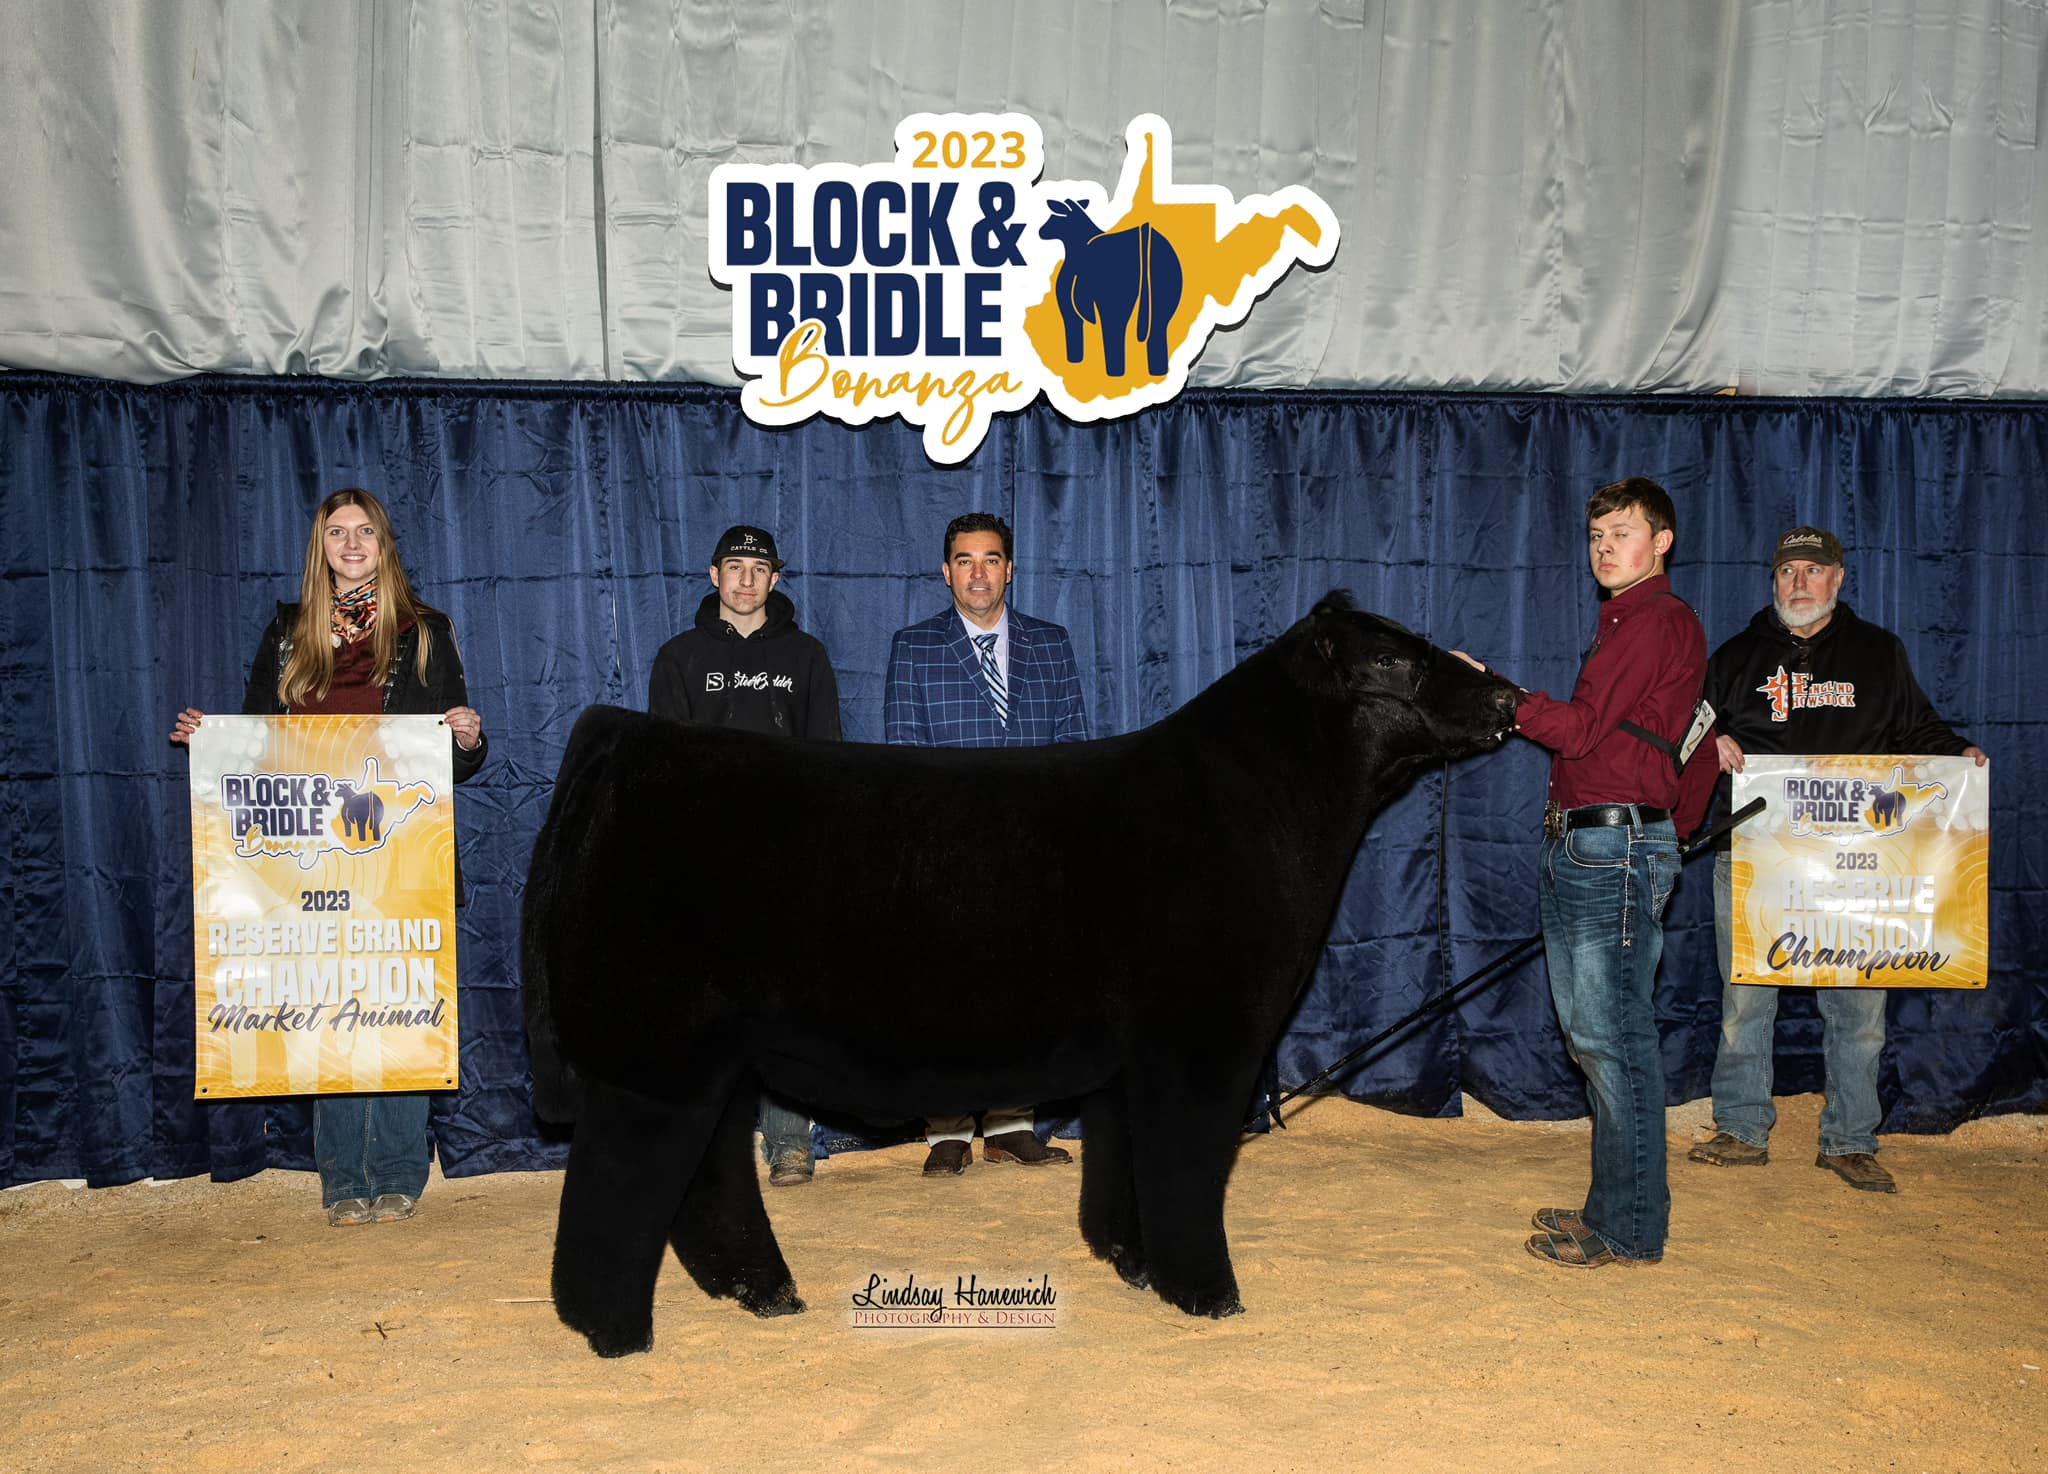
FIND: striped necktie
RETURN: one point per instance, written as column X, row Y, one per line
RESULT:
column 993, row 674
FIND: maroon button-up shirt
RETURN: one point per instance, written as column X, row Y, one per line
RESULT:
column 1647, row 664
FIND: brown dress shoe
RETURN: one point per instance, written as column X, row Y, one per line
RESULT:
column 948, row 1158
column 1022, row 1147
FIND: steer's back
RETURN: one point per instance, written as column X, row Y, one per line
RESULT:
column 842, row 915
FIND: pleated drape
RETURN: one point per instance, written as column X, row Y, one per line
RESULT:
column 566, row 529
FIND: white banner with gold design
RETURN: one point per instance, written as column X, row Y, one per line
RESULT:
column 323, row 905
column 1863, row 872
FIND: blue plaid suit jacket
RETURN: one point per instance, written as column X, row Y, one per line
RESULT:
column 935, row 696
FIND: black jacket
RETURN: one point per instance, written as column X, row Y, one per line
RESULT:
column 777, row 680
column 1849, row 689
column 404, row 693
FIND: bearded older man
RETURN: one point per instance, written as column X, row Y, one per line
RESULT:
column 1873, row 705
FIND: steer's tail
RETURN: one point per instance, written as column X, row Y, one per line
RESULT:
column 580, row 787
column 557, row 1093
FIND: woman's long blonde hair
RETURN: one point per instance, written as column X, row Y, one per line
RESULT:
column 309, row 672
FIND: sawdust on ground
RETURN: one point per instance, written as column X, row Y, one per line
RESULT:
column 1395, row 1323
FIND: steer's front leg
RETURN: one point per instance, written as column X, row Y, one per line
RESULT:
column 1183, row 1145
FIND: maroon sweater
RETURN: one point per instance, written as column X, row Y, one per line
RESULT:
column 357, row 690
column 1647, row 664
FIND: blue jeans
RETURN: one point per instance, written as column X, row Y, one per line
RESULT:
column 1603, row 893
column 369, row 1145
column 782, row 1127
column 1851, row 1039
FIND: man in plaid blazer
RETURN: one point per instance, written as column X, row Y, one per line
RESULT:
column 982, row 675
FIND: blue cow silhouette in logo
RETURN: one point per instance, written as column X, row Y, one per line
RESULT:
column 362, row 812
column 1105, row 278
column 1887, row 808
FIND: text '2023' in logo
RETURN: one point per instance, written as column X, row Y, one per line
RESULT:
column 949, row 286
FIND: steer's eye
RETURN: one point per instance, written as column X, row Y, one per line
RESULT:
column 1386, row 662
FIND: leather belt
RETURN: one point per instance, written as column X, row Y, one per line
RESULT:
column 1558, row 821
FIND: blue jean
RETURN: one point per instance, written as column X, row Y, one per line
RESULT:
column 1851, row 1040
column 782, row 1127
column 369, row 1145
column 1603, row 892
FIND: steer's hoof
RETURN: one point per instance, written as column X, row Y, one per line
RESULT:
column 621, row 1343
column 1131, row 1269
column 1128, row 1262
column 1216, row 1304
column 784, row 1300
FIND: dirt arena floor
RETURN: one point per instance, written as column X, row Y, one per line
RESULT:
column 1395, row 1323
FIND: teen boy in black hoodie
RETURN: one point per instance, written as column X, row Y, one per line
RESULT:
column 747, row 665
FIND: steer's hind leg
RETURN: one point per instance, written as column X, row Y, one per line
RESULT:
column 1183, row 1144
column 1109, row 1197
column 629, row 1162
column 722, row 1233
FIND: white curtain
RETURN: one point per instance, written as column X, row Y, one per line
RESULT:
column 1792, row 196
column 1890, row 233
column 303, row 187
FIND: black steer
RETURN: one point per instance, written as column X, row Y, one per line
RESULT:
column 709, row 909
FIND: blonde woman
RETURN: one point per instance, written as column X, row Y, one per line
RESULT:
column 359, row 641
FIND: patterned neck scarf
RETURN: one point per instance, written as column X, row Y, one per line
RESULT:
column 353, row 613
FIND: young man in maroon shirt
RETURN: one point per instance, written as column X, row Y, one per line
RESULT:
column 1620, row 795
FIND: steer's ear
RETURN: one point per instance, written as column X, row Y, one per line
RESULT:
column 1332, row 637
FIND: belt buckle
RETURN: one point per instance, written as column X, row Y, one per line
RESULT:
column 1553, row 821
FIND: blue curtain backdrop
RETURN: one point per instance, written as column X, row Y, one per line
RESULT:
column 566, row 529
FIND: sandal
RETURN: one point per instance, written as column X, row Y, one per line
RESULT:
column 1576, row 1246
column 1581, row 1248
column 1564, row 1221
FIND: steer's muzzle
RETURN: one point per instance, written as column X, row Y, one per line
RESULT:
column 1486, row 701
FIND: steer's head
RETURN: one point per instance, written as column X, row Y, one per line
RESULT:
column 1411, row 702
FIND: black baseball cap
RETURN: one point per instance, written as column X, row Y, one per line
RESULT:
column 747, row 542
column 1812, row 544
